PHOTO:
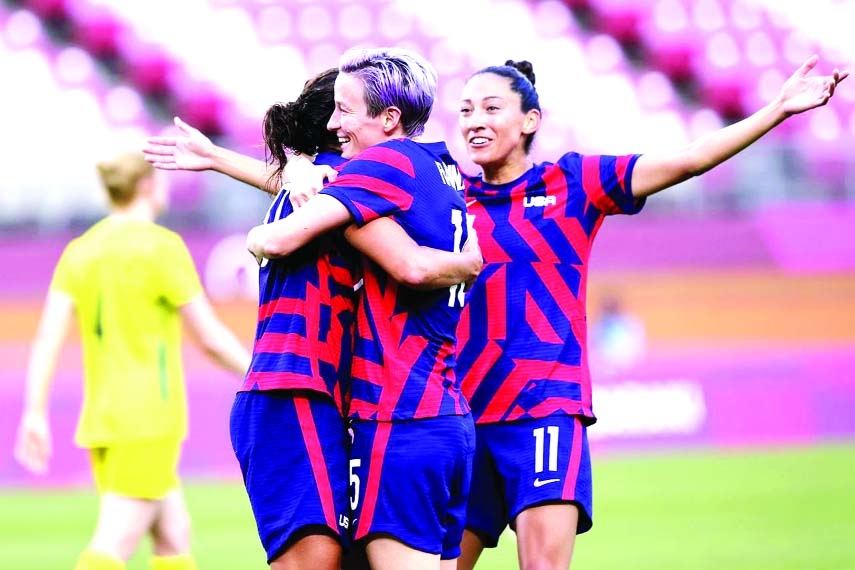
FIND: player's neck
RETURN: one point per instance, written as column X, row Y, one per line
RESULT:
column 506, row 171
column 137, row 211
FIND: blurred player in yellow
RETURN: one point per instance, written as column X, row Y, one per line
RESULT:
column 132, row 284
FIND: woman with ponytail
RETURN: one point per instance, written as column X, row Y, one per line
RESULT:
column 287, row 425
column 523, row 361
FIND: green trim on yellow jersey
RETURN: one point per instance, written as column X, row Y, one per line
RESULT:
column 128, row 280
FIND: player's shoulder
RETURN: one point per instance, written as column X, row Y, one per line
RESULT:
column 92, row 238
column 570, row 161
column 162, row 234
column 332, row 159
column 401, row 154
column 157, row 240
column 388, row 148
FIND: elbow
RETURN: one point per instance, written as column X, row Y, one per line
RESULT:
column 271, row 246
column 273, row 250
column 262, row 244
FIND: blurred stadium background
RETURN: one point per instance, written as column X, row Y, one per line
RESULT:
column 727, row 386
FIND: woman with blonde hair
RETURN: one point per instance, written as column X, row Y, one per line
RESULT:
column 132, row 284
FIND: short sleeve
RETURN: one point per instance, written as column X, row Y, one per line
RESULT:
column 378, row 182
column 607, row 181
column 64, row 274
column 179, row 280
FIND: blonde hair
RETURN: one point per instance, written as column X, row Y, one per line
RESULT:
column 121, row 176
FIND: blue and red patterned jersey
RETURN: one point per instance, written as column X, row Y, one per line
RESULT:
column 523, row 333
column 405, row 346
column 306, row 306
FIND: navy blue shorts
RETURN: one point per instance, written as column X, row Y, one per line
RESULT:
column 524, row 464
column 410, row 481
column 292, row 450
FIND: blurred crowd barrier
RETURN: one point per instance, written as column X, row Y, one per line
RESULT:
column 614, row 77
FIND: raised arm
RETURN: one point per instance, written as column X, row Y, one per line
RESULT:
column 33, row 446
column 800, row 93
column 192, row 150
column 418, row 267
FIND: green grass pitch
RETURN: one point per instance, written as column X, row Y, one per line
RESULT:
column 787, row 509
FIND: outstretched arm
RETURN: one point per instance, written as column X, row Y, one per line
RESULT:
column 33, row 446
column 800, row 93
column 192, row 150
column 418, row 267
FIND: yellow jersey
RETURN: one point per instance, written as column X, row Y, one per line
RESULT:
column 128, row 279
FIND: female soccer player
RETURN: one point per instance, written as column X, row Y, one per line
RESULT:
column 284, row 379
column 131, row 284
column 523, row 357
column 528, row 362
column 412, row 446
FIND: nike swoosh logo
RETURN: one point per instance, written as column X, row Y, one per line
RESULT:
column 540, row 483
column 471, row 203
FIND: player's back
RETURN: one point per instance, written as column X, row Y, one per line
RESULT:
column 404, row 354
column 305, row 314
column 128, row 279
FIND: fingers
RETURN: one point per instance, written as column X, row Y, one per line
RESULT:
column 182, row 126
column 162, row 165
column 162, row 158
column 328, row 172
column 159, row 149
column 808, row 65
column 161, row 141
column 298, row 199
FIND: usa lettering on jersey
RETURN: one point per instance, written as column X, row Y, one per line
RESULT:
column 523, row 332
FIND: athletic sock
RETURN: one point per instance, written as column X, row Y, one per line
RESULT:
column 94, row 560
column 178, row 562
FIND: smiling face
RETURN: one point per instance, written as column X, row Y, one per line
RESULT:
column 493, row 124
column 351, row 121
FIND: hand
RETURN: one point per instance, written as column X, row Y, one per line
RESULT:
column 33, row 447
column 306, row 179
column 471, row 246
column 802, row 92
column 191, row 150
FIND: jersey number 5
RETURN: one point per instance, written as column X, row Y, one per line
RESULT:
column 354, row 484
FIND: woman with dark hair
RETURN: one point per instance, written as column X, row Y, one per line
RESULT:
column 523, row 357
column 287, row 422
column 523, row 361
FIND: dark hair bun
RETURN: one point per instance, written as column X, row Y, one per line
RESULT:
column 523, row 67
